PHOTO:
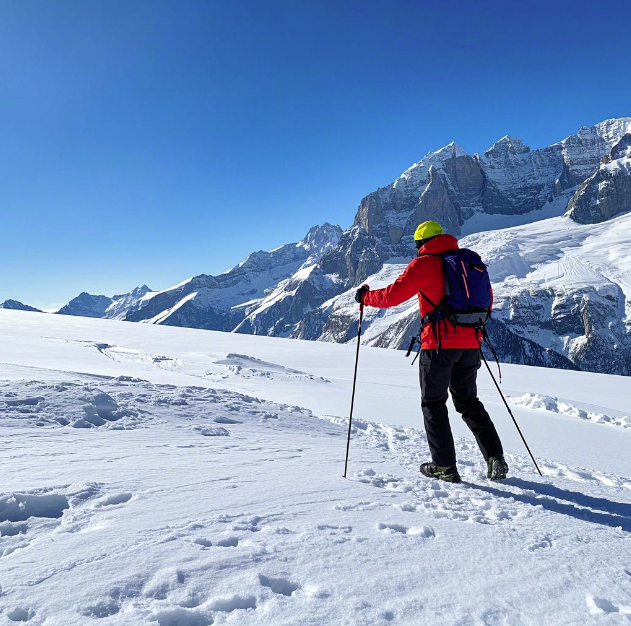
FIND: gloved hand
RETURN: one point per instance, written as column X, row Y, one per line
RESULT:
column 359, row 295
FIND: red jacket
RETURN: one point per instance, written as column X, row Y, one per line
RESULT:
column 425, row 273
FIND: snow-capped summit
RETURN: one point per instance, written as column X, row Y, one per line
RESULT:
column 320, row 239
column 507, row 144
column 125, row 303
column 450, row 151
column 416, row 175
column 583, row 151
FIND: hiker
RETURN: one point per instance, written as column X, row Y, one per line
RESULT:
column 449, row 358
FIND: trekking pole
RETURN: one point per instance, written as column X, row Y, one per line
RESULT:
column 350, row 419
column 510, row 412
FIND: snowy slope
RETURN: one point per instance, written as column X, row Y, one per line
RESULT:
column 169, row 476
column 563, row 287
column 567, row 286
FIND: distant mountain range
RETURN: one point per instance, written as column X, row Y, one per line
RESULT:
column 561, row 300
column 17, row 306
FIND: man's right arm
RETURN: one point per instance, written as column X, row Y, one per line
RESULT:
column 403, row 288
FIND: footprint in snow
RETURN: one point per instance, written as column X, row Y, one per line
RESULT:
column 100, row 610
column 232, row 603
column 406, row 506
column 180, row 617
column 280, row 586
column 252, row 524
column 383, row 481
column 340, row 534
column 600, row 606
column 425, row 532
column 544, row 542
column 20, row 615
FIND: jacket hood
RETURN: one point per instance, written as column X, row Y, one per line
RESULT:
column 438, row 245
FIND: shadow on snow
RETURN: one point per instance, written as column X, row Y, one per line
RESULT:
column 566, row 502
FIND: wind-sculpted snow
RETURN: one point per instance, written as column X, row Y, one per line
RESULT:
column 555, row 405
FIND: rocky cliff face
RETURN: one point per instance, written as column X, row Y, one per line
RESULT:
column 508, row 179
column 607, row 192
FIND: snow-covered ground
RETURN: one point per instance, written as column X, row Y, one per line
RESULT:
column 169, row 476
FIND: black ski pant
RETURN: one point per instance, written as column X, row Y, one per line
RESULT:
column 455, row 370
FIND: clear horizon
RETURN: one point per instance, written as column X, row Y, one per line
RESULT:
column 150, row 143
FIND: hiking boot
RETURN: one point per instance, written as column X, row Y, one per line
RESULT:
column 449, row 474
column 497, row 468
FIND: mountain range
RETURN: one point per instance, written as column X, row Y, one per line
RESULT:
column 541, row 219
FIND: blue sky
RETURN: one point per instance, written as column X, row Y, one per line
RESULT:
column 145, row 142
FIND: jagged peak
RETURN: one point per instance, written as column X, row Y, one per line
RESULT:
column 320, row 229
column 419, row 170
column 450, row 150
column 134, row 293
column 321, row 237
column 609, row 130
column 614, row 122
column 507, row 145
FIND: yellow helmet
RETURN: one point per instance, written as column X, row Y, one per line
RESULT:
column 427, row 230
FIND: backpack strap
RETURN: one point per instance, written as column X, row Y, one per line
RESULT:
column 434, row 306
column 433, row 320
column 431, row 317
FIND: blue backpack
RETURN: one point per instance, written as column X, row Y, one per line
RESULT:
column 468, row 298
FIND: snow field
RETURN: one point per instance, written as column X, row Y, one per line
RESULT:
column 205, row 501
